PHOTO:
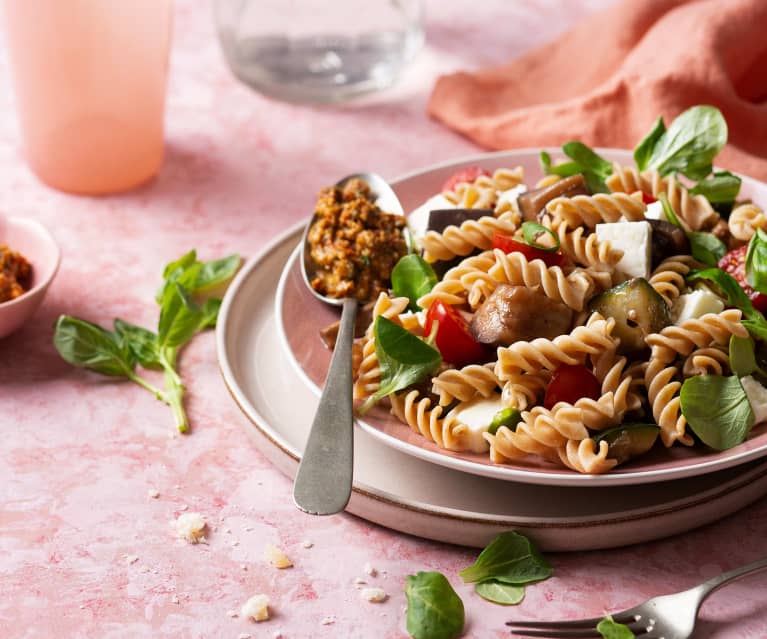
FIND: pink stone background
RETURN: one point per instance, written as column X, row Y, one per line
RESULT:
column 79, row 452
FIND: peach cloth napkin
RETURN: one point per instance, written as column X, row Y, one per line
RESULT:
column 607, row 80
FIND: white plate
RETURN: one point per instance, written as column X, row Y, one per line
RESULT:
column 414, row 496
column 300, row 329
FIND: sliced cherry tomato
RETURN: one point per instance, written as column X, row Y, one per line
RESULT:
column 571, row 383
column 509, row 245
column 648, row 199
column 734, row 263
column 454, row 340
column 467, row 174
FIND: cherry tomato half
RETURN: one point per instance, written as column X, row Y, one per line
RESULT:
column 509, row 245
column 571, row 383
column 466, row 174
column 648, row 199
column 734, row 263
column 454, row 340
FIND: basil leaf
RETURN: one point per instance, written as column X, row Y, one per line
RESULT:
column 141, row 342
column 90, row 346
column 180, row 318
column 215, row 272
column 500, row 592
column 181, row 264
column 563, row 169
column 644, row 149
column 757, row 328
column 531, row 231
column 510, row 558
column 722, row 188
column 742, row 356
column 412, row 277
column 611, row 629
column 593, row 167
column 210, row 313
column 717, row 410
column 404, row 359
column 706, row 247
column 756, row 261
column 690, row 143
column 434, row 610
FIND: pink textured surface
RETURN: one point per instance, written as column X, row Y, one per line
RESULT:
column 79, row 453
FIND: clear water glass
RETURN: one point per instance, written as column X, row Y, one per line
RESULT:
column 318, row 50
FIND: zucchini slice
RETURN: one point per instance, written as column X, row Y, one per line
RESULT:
column 629, row 440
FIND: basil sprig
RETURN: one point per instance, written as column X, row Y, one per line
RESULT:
column 412, row 277
column 611, row 629
column 434, row 610
column 688, row 146
column 705, row 247
column 584, row 160
column 717, row 410
column 531, row 231
column 118, row 353
column 504, row 567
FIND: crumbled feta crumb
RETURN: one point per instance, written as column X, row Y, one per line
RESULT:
column 184, row 507
column 369, row 570
column 326, row 621
column 277, row 635
column 131, row 559
column 82, row 606
column 231, row 613
column 144, row 569
column 154, row 494
column 243, row 566
column 359, row 580
column 306, row 543
column 256, row 608
column 244, row 635
column 374, row 595
column 174, row 599
column 228, row 531
column 191, row 526
column 276, row 557
column 235, row 543
column 249, row 529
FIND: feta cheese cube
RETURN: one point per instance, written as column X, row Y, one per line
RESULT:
column 374, row 595
column 256, row 608
column 418, row 220
column 757, row 397
column 276, row 557
column 477, row 414
column 191, row 526
column 694, row 305
column 635, row 240
column 510, row 197
column 655, row 211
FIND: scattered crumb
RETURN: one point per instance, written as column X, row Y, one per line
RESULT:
column 191, row 526
column 177, row 487
column 256, row 608
column 235, row 543
column 276, row 557
column 326, row 621
column 243, row 566
column 231, row 613
column 131, row 559
column 184, row 507
column 359, row 581
column 82, row 606
column 154, row 494
column 174, row 599
column 244, row 635
column 368, row 569
column 228, row 531
column 249, row 529
column 307, row 544
column 144, row 569
column 277, row 635
column 374, row 595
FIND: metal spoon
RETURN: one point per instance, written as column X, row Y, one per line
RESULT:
column 323, row 484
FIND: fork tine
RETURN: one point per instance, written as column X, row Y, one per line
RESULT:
column 559, row 633
column 557, row 625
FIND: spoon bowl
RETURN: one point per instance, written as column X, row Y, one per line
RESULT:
column 323, row 482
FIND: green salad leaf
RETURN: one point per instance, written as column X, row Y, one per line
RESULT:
column 643, row 151
column 717, row 410
column 611, row 629
column 584, row 160
column 706, row 247
column 689, row 145
column 563, row 169
column 404, row 359
column 500, row 592
column 720, row 189
column 510, row 558
column 742, row 356
column 434, row 610
column 413, row 277
column 756, row 261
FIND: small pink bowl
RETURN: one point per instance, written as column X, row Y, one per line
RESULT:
column 37, row 245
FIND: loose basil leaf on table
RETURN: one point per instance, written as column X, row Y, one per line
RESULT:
column 180, row 317
column 717, row 410
column 509, row 558
column 404, row 359
column 141, row 342
column 434, row 610
column 88, row 345
column 690, row 143
column 210, row 312
column 643, row 151
column 195, row 276
column 500, row 592
column 611, row 629
column 412, row 277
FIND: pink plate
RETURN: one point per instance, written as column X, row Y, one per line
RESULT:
column 300, row 316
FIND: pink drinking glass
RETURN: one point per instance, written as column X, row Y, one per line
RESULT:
column 90, row 79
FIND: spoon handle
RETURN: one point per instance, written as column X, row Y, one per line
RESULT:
column 323, row 483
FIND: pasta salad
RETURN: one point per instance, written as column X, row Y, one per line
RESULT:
column 585, row 319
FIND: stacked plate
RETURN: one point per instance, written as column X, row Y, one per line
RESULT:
column 274, row 363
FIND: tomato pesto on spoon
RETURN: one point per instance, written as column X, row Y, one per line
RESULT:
column 354, row 244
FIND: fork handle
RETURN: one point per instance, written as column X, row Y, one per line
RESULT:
column 707, row 587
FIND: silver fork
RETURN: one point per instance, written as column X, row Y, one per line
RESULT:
column 665, row 617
